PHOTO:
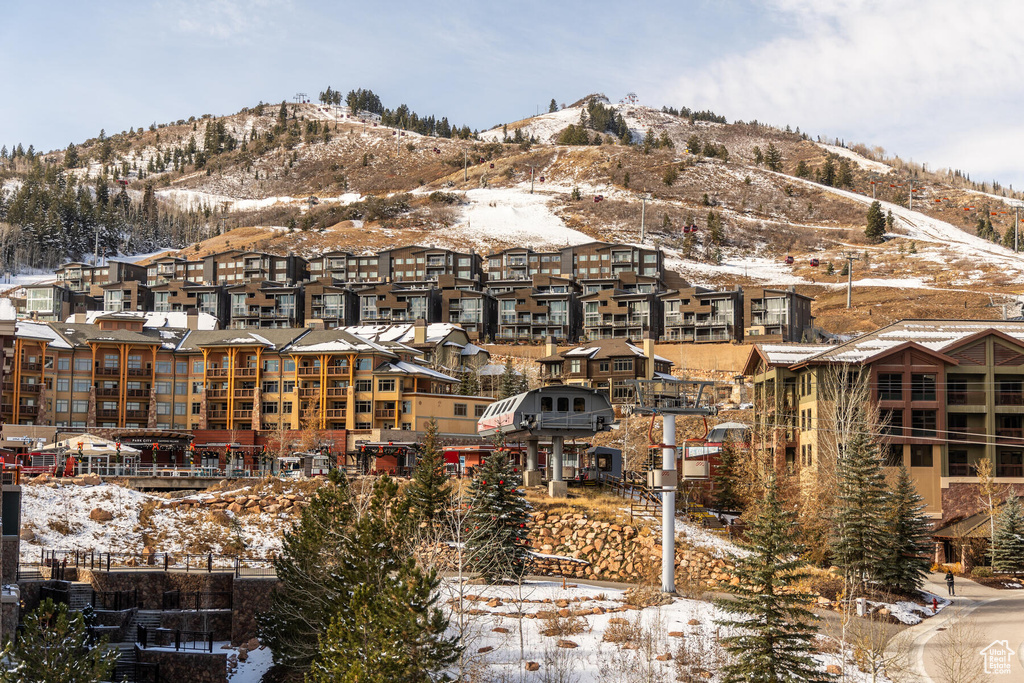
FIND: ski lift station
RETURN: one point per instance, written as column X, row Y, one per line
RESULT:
column 555, row 412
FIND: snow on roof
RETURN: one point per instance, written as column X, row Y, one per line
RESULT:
column 335, row 346
column 786, row 354
column 472, row 349
column 403, row 332
column 413, row 369
column 640, row 352
column 177, row 319
column 583, row 351
column 32, row 330
column 7, row 310
column 493, row 370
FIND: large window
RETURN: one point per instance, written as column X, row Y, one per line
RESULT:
column 623, row 365
column 385, row 384
column 920, row 456
column 460, row 409
column 923, row 423
column 82, row 385
column 922, row 387
column 890, row 387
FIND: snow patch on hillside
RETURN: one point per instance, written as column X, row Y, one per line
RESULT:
column 863, row 162
column 196, row 200
column 511, row 215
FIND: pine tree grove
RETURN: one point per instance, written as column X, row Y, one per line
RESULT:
column 904, row 562
column 858, row 537
column 1008, row 539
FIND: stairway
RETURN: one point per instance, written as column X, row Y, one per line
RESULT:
column 79, row 596
column 125, row 668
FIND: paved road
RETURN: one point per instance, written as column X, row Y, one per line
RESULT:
column 978, row 616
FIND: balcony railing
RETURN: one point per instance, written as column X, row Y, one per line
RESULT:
column 108, row 393
column 138, row 372
column 106, row 412
column 337, row 391
column 309, row 372
column 216, row 393
column 959, row 469
column 1009, row 398
column 242, row 414
column 337, row 369
column 335, row 413
column 216, row 414
column 244, row 393
column 965, row 398
column 1010, row 432
column 384, row 413
column 136, row 414
column 217, row 372
column 108, row 372
column 309, row 392
column 30, row 388
column 1010, row 470
column 245, row 372
column 28, row 411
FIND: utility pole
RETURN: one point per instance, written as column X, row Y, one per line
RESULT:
column 643, row 216
column 531, row 179
column 850, row 258
column 910, row 200
column 465, row 165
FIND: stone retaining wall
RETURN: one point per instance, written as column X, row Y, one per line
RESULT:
column 194, row 667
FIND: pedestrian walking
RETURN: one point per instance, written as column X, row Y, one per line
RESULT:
column 949, row 583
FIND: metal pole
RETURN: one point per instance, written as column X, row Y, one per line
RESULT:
column 643, row 212
column 465, row 165
column 910, row 194
column 849, row 280
column 668, row 507
column 531, row 180
column 1016, row 228
column 556, row 457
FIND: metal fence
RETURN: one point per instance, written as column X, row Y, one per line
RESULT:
column 196, row 600
column 53, row 564
column 200, row 641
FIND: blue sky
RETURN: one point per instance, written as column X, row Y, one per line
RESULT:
column 932, row 80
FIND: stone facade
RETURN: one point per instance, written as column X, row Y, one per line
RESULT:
column 251, row 596
column 9, row 553
column 194, row 667
column 218, row 621
column 151, row 585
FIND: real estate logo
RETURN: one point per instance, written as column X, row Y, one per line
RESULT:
column 997, row 657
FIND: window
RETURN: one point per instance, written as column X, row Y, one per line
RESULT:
column 162, row 387
column 135, row 362
column 286, row 407
column 163, row 367
column 179, row 408
column 195, row 408
column 63, row 384
column 270, row 387
column 181, row 367
column 575, row 365
column 364, row 425
column 922, row 387
column 83, row 365
column 163, row 408
column 579, row 405
column 364, row 385
column 892, row 454
column 197, row 367
column 923, row 423
column 288, row 386
column 62, row 405
column 920, row 456
column 563, row 404
column 385, row 384
column 271, row 365
column 269, row 408
column 180, row 388
column 364, row 406
column 546, row 404
column 83, row 385
column 364, row 364
column 623, row 365
column 406, row 406
column 80, row 406
column 460, row 410
column 197, row 387
column 604, row 366
column 556, row 369
column 478, row 410
column 63, row 363
column 890, row 387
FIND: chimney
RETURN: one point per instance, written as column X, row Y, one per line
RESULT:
column 649, row 355
column 80, row 318
column 192, row 319
column 419, row 331
column 550, row 347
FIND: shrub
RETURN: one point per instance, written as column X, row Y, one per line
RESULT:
column 646, row 596
column 982, row 572
column 555, row 625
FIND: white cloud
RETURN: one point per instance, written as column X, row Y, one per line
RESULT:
column 223, row 19
column 875, row 67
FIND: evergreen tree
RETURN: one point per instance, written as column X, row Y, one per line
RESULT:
column 1009, row 238
column 726, row 479
column 907, row 533
column 775, row 637
column 694, row 144
column 858, row 537
column 428, row 492
column 552, row 106
column 71, row 159
column 469, row 383
column 496, row 523
column 802, row 170
column 875, row 229
column 827, row 172
column 509, row 384
column 1008, row 539
column 844, row 178
column 773, row 158
column 54, row 646
column 716, row 235
column 758, row 156
column 308, row 594
column 386, row 625
column 890, row 222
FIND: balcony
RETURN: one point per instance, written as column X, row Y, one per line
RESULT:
column 104, row 412
column 244, row 393
column 336, row 413
column 28, row 411
column 31, row 367
column 337, row 369
column 1010, row 432
column 138, row 372
column 137, row 393
column 136, row 414
column 1010, row 470
column 242, row 414
column 337, row 391
column 217, row 372
column 965, row 398
column 309, row 392
column 30, row 388
column 714, row 321
column 966, row 433
column 384, row 413
column 104, row 371
column 216, row 393
column 309, row 372
column 959, row 469
column 108, row 393
column 245, row 372
column 1009, row 398
column 217, row 414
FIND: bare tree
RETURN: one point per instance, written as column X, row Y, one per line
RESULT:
column 959, row 645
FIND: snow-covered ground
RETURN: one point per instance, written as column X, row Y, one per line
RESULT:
column 512, row 215
column 58, row 517
column 863, row 162
column 195, row 199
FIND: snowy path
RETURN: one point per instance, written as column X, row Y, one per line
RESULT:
column 924, row 228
